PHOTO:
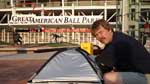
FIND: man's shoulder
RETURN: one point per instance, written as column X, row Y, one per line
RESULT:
column 123, row 36
column 120, row 33
column 122, row 39
column 119, row 36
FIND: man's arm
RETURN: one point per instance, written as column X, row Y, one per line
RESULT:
column 105, row 60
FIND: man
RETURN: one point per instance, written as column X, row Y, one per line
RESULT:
column 127, row 58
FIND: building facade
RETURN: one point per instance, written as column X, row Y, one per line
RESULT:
column 38, row 20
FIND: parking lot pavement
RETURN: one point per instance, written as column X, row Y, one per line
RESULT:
column 31, row 49
column 18, row 71
column 18, row 68
column 30, row 56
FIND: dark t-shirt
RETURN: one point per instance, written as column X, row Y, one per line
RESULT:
column 125, row 54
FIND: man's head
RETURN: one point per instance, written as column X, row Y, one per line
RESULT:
column 102, row 30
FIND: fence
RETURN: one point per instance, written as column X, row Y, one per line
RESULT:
column 50, row 37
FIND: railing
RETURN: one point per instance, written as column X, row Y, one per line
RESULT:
column 57, row 4
column 6, row 4
column 47, row 37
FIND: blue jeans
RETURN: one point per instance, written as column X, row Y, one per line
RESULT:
column 133, row 78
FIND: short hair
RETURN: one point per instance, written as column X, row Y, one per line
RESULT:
column 100, row 22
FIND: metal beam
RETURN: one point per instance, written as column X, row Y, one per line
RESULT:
column 125, row 19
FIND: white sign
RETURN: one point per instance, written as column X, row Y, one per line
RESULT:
column 53, row 20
